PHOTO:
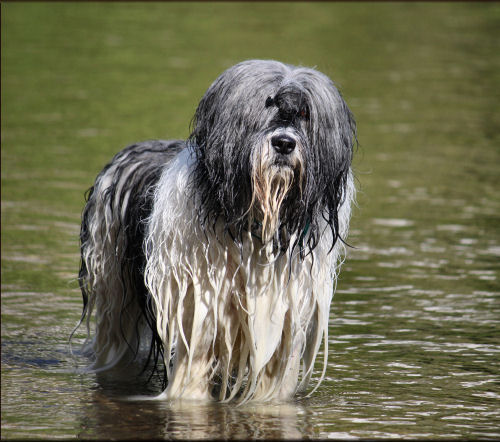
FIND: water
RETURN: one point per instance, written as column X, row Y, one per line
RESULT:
column 415, row 321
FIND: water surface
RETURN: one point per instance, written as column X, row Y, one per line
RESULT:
column 414, row 331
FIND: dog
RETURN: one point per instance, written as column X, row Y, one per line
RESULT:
column 218, row 255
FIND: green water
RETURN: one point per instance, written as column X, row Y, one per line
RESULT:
column 414, row 333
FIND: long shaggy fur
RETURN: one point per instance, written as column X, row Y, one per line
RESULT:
column 220, row 254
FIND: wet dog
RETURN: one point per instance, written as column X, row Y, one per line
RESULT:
column 219, row 254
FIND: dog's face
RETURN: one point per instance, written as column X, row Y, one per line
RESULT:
column 274, row 147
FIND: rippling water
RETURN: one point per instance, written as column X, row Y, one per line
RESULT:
column 414, row 331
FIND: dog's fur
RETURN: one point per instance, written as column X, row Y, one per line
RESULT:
column 220, row 253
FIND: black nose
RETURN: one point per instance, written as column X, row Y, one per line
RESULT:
column 283, row 144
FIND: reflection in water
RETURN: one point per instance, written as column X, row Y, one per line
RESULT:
column 109, row 418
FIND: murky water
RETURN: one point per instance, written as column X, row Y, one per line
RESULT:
column 414, row 332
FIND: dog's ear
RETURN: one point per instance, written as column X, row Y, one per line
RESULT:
column 331, row 133
column 344, row 134
column 334, row 129
column 203, row 120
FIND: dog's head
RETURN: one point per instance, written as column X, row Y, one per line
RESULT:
column 273, row 144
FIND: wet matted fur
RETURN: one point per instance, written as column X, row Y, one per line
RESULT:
column 219, row 254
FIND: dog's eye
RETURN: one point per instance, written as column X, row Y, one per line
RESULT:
column 269, row 101
column 304, row 113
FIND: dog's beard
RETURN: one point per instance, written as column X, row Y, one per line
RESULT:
column 271, row 184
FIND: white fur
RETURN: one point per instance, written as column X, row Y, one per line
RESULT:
column 262, row 317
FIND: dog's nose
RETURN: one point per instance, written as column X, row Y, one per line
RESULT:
column 283, row 144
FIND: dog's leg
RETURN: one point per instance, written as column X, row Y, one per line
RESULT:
column 106, row 285
column 290, row 377
column 189, row 383
column 279, row 377
column 192, row 362
column 277, row 385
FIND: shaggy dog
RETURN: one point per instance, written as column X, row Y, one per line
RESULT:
column 220, row 254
